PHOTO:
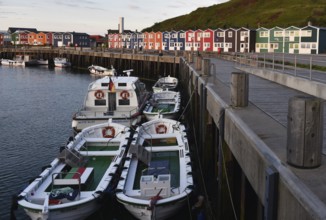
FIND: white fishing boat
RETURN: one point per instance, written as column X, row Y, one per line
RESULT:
column 166, row 83
column 61, row 62
column 73, row 185
column 165, row 103
column 157, row 180
column 121, row 98
column 101, row 71
column 17, row 61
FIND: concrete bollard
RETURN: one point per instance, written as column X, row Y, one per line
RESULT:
column 239, row 89
column 305, row 132
column 206, row 67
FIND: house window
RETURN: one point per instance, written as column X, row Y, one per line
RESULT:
column 278, row 33
column 230, row 34
column 207, row 34
column 263, row 34
column 244, row 34
column 220, row 34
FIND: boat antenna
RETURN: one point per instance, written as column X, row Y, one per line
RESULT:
column 128, row 72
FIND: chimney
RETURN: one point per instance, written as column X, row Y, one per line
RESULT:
column 309, row 23
column 121, row 25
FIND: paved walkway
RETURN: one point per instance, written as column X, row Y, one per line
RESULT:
column 268, row 96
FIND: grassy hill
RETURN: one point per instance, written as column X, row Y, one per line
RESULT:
column 251, row 14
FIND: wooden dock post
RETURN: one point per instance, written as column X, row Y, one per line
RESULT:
column 199, row 62
column 190, row 57
column 206, row 67
column 239, row 89
column 305, row 131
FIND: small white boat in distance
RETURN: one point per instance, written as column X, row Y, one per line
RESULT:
column 72, row 186
column 121, row 98
column 61, row 62
column 16, row 61
column 157, row 180
column 101, row 71
column 165, row 103
column 166, row 83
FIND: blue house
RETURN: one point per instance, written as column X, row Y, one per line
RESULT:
column 67, row 39
column 173, row 40
column 181, row 41
column 81, row 39
column 57, row 39
column 165, row 40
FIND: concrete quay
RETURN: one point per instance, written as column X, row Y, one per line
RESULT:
column 256, row 136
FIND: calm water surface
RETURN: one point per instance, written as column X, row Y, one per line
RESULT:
column 36, row 108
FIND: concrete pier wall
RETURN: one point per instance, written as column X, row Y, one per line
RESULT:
column 258, row 144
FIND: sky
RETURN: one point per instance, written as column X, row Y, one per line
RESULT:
column 93, row 16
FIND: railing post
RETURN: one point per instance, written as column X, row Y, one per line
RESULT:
column 283, row 62
column 310, row 67
column 295, row 65
column 239, row 89
column 305, row 131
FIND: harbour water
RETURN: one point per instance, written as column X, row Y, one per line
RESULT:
column 36, row 108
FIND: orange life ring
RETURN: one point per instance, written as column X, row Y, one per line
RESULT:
column 161, row 129
column 108, row 132
column 99, row 94
column 124, row 94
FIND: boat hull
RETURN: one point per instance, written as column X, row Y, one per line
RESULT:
column 8, row 62
column 81, row 211
column 161, row 211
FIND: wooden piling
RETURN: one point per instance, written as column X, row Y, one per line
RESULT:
column 239, row 89
column 206, row 64
column 305, row 131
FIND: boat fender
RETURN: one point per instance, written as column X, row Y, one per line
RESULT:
column 108, row 132
column 124, row 94
column 161, row 129
column 99, row 94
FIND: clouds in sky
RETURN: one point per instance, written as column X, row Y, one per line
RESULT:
column 93, row 16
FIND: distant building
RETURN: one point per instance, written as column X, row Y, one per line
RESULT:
column 97, row 40
column 80, row 39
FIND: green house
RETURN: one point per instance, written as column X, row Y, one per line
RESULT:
column 262, row 40
column 291, row 40
column 313, row 40
column 276, row 40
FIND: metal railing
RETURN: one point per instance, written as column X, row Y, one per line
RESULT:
column 312, row 67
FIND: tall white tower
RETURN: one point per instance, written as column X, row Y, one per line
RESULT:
column 121, row 25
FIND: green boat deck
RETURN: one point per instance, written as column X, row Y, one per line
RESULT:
column 172, row 157
column 99, row 163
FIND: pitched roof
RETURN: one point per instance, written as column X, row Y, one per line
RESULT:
column 14, row 29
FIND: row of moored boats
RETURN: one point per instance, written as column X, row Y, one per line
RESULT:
column 144, row 164
column 20, row 60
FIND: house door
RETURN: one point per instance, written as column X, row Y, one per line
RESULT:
column 242, row 47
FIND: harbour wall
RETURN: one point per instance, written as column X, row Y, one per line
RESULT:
column 243, row 153
column 145, row 65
